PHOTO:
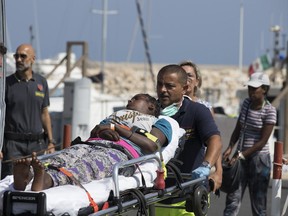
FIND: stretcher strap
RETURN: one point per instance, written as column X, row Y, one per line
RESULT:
column 142, row 176
column 142, row 202
column 93, row 204
column 124, row 126
column 175, row 170
column 106, row 145
column 142, row 210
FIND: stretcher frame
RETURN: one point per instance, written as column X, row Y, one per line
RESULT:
column 185, row 189
column 146, row 196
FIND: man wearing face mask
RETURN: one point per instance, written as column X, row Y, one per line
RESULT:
column 27, row 120
column 200, row 127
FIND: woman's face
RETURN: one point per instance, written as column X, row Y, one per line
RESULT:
column 192, row 80
column 139, row 103
column 256, row 94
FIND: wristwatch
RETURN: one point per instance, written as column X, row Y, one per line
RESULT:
column 206, row 164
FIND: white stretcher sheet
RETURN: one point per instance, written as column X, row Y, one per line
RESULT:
column 70, row 198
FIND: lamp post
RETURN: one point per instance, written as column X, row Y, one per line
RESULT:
column 276, row 29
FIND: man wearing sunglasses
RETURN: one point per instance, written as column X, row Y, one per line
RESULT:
column 27, row 121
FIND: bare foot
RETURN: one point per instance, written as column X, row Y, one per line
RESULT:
column 38, row 168
column 21, row 173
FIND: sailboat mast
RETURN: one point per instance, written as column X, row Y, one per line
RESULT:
column 104, row 40
column 104, row 12
column 241, row 37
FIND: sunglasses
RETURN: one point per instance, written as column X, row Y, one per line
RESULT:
column 22, row 56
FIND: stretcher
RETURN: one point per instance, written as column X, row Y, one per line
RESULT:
column 113, row 195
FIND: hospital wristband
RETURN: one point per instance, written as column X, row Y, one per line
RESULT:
column 112, row 127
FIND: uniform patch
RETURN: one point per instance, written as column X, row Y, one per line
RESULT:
column 40, row 87
column 189, row 133
column 39, row 94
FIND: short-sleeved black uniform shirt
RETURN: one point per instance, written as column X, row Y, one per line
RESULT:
column 24, row 103
column 199, row 125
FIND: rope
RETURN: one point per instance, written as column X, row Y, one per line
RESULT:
column 278, row 164
column 145, row 41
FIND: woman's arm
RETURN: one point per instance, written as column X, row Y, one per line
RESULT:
column 114, row 131
column 233, row 140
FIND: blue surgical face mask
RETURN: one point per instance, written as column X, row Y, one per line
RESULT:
column 170, row 110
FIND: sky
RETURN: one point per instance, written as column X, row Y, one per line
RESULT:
column 204, row 31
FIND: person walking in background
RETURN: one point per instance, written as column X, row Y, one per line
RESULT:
column 200, row 127
column 27, row 120
column 193, row 92
column 194, row 83
column 253, row 128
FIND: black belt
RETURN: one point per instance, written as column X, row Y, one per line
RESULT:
column 78, row 140
column 23, row 136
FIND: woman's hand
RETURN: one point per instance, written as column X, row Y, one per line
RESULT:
column 227, row 153
column 95, row 132
column 234, row 159
column 109, row 135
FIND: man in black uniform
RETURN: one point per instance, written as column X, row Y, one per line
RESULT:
column 27, row 120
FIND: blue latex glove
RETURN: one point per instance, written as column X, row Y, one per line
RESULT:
column 201, row 171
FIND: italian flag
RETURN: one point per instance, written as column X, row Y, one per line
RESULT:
column 260, row 64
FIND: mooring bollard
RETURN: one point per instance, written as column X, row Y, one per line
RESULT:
column 67, row 136
column 277, row 179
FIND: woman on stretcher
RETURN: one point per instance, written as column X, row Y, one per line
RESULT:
column 95, row 160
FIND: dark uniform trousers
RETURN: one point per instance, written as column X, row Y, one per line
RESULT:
column 19, row 145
